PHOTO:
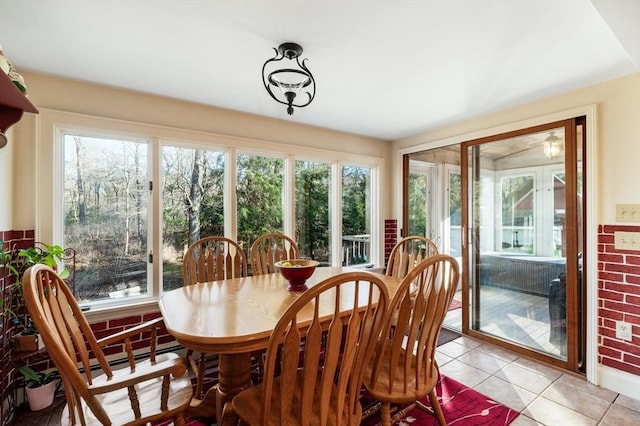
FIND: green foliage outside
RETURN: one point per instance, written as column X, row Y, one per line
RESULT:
column 417, row 204
column 259, row 196
column 312, row 210
column 192, row 195
column 515, row 191
column 356, row 193
column 107, row 204
column 355, row 200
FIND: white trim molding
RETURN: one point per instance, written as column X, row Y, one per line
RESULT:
column 619, row 381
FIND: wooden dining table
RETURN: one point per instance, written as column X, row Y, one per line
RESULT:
column 233, row 318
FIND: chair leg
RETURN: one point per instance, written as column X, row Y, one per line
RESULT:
column 385, row 413
column 200, row 375
column 198, row 368
column 437, row 410
column 179, row 420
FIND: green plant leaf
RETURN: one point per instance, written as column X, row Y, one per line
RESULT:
column 29, row 373
column 40, row 378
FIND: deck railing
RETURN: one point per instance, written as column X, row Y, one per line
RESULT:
column 356, row 249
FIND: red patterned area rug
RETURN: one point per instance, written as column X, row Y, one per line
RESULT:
column 462, row 406
column 189, row 422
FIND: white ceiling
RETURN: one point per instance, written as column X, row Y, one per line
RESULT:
column 385, row 69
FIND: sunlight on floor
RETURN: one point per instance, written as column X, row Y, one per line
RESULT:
column 516, row 316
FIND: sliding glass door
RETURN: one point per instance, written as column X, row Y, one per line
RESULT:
column 521, row 212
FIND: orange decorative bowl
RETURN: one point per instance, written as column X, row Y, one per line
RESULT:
column 296, row 271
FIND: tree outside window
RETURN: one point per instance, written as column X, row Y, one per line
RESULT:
column 107, row 206
column 356, row 187
column 259, row 191
column 312, row 210
column 192, row 204
column 106, row 200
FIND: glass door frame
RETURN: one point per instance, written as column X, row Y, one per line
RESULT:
column 470, row 233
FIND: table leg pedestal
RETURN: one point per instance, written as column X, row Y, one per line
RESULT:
column 205, row 407
column 234, row 376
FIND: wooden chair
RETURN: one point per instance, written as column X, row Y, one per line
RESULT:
column 270, row 248
column 404, row 367
column 409, row 252
column 321, row 345
column 141, row 392
column 211, row 259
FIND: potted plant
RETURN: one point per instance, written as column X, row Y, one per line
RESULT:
column 25, row 337
column 41, row 387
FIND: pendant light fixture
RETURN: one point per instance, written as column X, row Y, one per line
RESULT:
column 292, row 81
column 552, row 145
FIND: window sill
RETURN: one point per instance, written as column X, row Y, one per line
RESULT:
column 366, row 267
column 99, row 313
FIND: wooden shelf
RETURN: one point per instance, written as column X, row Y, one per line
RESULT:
column 12, row 103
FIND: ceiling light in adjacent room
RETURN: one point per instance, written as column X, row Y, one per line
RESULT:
column 552, row 145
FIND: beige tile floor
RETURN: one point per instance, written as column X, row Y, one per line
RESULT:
column 543, row 395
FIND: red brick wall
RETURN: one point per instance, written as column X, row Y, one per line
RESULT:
column 107, row 328
column 390, row 237
column 618, row 300
column 8, row 373
column 13, row 240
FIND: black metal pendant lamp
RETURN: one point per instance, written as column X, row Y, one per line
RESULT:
column 290, row 80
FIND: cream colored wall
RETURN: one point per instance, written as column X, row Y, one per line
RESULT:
column 617, row 140
column 48, row 92
column 91, row 99
column 17, row 179
column 6, row 183
column 24, row 173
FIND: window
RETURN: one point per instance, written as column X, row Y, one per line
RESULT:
column 424, row 211
column 531, row 212
column 106, row 200
column 453, row 216
column 434, row 199
column 259, row 196
column 356, row 231
column 192, row 204
column 130, row 202
column 418, row 190
column 518, row 214
column 312, row 210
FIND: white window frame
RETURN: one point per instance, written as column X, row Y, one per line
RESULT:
column 542, row 204
column 447, row 171
column 433, row 197
column 48, row 190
